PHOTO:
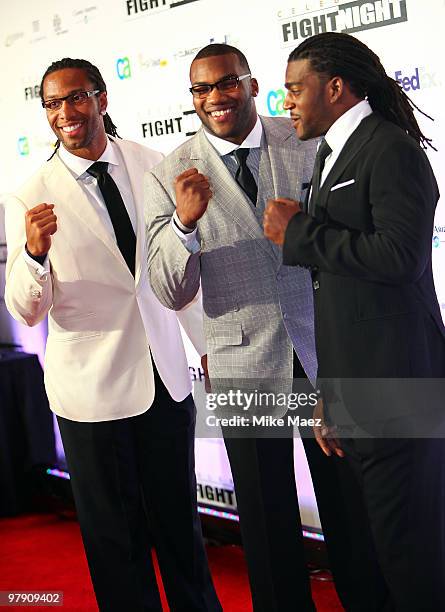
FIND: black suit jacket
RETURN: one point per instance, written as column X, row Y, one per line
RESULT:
column 369, row 245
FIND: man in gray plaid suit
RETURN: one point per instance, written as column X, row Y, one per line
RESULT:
column 204, row 211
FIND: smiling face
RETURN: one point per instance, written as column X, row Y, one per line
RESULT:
column 308, row 100
column 230, row 115
column 79, row 128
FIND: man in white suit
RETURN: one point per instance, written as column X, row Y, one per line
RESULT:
column 115, row 369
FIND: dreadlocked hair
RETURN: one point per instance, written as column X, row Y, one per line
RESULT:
column 96, row 79
column 334, row 54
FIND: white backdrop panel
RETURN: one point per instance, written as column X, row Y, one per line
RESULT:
column 144, row 48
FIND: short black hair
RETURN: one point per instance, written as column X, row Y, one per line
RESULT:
column 222, row 49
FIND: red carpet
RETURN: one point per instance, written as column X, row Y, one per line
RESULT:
column 44, row 552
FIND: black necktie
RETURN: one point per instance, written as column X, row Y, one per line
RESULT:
column 323, row 151
column 244, row 176
column 126, row 240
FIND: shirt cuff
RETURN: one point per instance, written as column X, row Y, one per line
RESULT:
column 40, row 271
column 188, row 238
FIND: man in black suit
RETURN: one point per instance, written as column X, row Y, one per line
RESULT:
column 365, row 233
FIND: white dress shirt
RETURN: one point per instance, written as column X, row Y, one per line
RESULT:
column 341, row 130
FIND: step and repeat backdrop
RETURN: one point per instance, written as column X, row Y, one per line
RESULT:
column 144, row 49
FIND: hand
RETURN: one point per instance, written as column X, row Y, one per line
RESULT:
column 192, row 196
column 324, row 434
column 204, row 365
column 41, row 224
column 277, row 215
column 206, row 374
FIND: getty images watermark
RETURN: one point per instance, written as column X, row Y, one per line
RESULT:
column 259, row 401
column 355, row 408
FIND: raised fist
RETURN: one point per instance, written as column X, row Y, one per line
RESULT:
column 41, row 224
column 192, row 196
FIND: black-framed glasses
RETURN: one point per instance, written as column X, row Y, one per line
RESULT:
column 74, row 99
column 228, row 83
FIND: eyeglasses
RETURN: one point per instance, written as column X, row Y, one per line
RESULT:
column 74, row 99
column 226, row 84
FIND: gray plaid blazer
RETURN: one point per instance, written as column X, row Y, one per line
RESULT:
column 255, row 309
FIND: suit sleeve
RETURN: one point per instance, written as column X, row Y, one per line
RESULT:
column 174, row 272
column 191, row 319
column 402, row 199
column 28, row 293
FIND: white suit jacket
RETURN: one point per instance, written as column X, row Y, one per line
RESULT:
column 101, row 320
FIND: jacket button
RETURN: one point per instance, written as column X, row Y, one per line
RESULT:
column 316, row 285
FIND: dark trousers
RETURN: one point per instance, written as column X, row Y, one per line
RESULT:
column 402, row 486
column 263, row 473
column 400, row 483
column 134, row 484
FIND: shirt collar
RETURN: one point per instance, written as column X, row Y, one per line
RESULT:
column 224, row 147
column 79, row 165
column 340, row 130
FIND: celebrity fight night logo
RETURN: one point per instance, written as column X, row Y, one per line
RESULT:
column 140, row 8
column 342, row 17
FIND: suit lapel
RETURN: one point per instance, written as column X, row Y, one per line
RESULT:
column 306, row 199
column 60, row 180
column 280, row 169
column 353, row 145
column 135, row 169
column 285, row 164
column 227, row 194
column 230, row 197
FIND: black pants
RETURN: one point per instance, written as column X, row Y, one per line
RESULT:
column 402, row 485
column 133, row 481
column 263, row 473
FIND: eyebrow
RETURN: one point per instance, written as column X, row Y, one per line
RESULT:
column 290, row 83
column 69, row 94
column 226, row 76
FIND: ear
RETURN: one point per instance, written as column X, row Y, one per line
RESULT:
column 103, row 102
column 336, row 87
column 254, row 88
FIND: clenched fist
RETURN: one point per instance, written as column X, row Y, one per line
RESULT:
column 277, row 215
column 41, row 224
column 192, row 196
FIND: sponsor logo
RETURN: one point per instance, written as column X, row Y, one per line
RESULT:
column 275, row 101
column 33, row 92
column 149, row 7
column 343, row 17
column 417, row 78
column 57, row 25
column 12, row 38
column 23, row 146
column 36, row 32
column 192, row 51
column 438, row 236
column 183, row 124
column 216, row 496
column 182, row 54
column 151, row 62
column 123, row 68
column 85, row 15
